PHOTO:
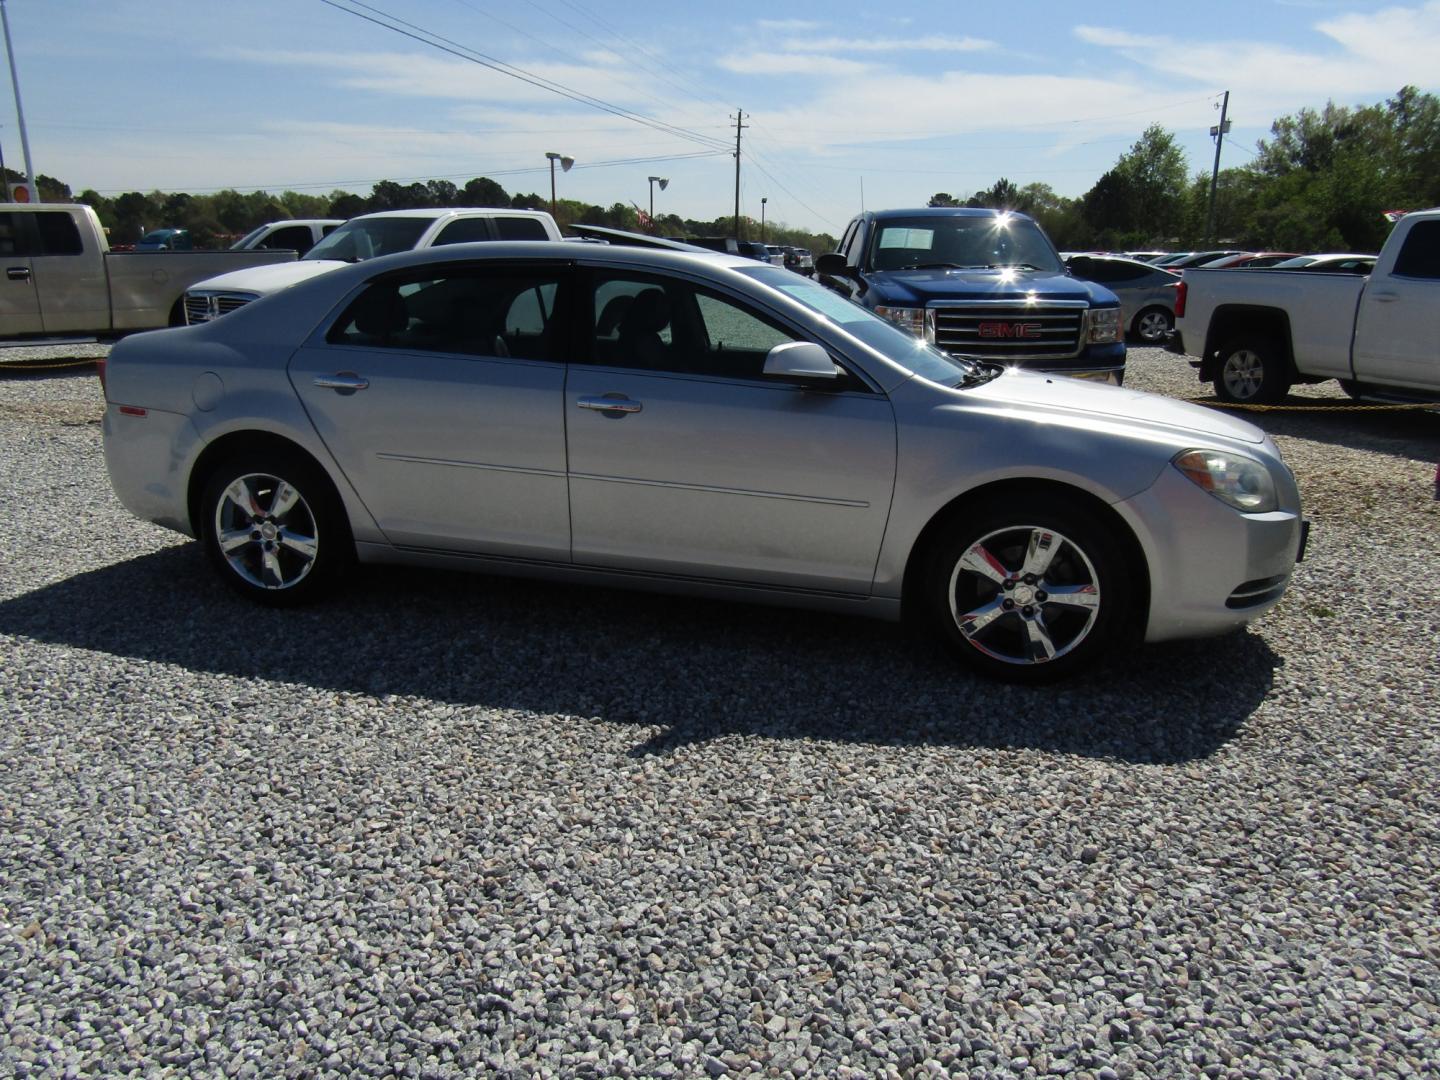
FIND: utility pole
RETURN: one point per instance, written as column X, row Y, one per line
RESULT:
column 1218, row 131
column 738, row 117
column 19, row 112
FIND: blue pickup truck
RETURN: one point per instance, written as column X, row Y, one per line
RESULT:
column 985, row 284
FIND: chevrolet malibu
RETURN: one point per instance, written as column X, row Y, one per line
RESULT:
column 700, row 424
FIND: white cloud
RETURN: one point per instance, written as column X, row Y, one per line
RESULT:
column 753, row 63
column 1117, row 39
column 787, row 24
column 919, row 43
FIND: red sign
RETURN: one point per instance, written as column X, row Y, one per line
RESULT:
column 992, row 330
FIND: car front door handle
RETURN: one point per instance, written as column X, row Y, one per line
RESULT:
column 345, row 382
column 610, row 405
column 17, row 273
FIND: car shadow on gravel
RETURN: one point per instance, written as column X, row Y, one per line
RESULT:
column 693, row 669
column 1405, row 433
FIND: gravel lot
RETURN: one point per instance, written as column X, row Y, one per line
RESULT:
column 450, row 825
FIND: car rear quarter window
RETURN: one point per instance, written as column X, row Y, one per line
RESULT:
column 508, row 315
column 1420, row 255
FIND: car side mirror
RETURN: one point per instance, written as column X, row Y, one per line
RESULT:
column 833, row 263
column 800, row 360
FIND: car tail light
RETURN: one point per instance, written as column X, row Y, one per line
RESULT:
column 1180, row 290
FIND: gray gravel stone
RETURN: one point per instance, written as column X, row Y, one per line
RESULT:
column 446, row 826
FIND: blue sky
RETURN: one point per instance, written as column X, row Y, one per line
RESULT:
column 899, row 100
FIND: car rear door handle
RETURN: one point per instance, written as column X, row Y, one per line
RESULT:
column 18, row 273
column 346, row 382
column 610, row 404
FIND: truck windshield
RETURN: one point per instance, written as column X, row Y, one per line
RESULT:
column 1001, row 242
column 880, row 334
column 369, row 238
column 248, row 238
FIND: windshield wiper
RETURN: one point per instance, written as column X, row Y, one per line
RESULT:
column 932, row 266
column 1012, row 266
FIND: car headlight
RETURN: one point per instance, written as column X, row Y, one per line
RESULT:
column 907, row 318
column 1103, row 325
column 1240, row 481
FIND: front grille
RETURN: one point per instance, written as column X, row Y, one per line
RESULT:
column 1010, row 330
column 203, row 307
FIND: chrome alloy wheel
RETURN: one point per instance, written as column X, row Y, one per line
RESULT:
column 266, row 531
column 1024, row 595
column 1153, row 326
column 1243, row 373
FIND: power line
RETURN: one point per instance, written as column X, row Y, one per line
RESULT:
column 487, row 173
column 464, row 52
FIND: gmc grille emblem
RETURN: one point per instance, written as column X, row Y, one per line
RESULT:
column 1009, row 330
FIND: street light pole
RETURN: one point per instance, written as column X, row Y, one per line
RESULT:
column 565, row 163
column 664, row 182
column 763, row 200
column 19, row 112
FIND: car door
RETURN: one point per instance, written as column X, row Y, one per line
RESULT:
column 1397, row 332
column 685, row 459
column 19, row 301
column 439, row 393
column 72, row 286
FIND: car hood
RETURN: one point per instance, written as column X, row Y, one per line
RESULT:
column 1077, row 398
column 915, row 287
column 264, row 280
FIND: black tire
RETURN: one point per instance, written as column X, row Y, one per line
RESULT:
column 278, row 555
column 1353, row 389
column 1016, row 628
column 1152, row 325
column 1251, row 371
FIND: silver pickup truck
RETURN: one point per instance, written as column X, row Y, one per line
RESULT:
column 62, row 279
column 1255, row 333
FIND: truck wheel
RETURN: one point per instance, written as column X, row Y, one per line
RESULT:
column 1251, row 372
column 1029, row 593
column 274, row 528
column 1152, row 324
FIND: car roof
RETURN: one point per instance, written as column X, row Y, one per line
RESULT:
column 435, row 213
column 945, row 211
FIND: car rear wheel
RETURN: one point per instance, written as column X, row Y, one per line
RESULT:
column 1251, row 372
column 1152, row 324
column 1031, row 590
column 274, row 528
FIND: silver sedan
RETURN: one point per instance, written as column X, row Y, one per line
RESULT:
column 699, row 424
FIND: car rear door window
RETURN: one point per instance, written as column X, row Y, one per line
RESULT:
column 1420, row 255
column 464, row 231
column 13, row 235
column 520, row 228
column 59, row 234
column 505, row 314
column 291, row 238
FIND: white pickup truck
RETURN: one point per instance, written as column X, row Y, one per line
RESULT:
column 295, row 234
column 62, row 279
column 367, row 237
column 1255, row 333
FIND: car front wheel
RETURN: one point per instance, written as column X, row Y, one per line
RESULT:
column 274, row 528
column 1030, row 593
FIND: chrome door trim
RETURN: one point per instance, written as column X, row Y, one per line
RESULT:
column 418, row 460
column 855, row 504
column 342, row 380
column 610, row 404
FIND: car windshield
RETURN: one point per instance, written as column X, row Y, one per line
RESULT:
column 880, row 334
column 1003, row 241
column 369, row 238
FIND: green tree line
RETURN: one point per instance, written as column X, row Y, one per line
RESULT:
column 221, row 218
column 1322, row 181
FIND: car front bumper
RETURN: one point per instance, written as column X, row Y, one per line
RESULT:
column 1211, row 567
